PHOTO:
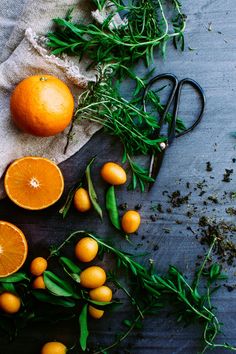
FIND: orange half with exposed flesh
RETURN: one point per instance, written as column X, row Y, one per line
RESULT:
column 34, row 182
column 13, row 249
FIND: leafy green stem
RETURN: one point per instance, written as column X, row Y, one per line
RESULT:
column 199, row 273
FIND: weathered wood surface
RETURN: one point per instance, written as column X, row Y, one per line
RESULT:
column 211, row 33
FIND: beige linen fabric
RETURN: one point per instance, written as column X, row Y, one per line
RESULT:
column 24, row 56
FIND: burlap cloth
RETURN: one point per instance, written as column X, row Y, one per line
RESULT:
column 24, row 56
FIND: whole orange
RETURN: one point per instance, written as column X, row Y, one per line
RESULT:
column 38, row 283
column 38, row 266
column 10, row 303
column 93, row 277
column 54, row 348
column 81, row 200
column 130, row 221
column 42, row 105
column 86, row 249
column 113, row 173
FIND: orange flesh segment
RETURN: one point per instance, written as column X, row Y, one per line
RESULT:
column 34, row 183
column 13, row 249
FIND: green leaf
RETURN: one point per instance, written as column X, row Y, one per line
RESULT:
column 64, row 210
column 43, row 296
column 83, row 319
column 215, row 271
column 76, row 277
column 91, row 190
column 8, row 287
column 99, row 303
column 111, row 206
column 14, row 278
column 56, row 285
column 71, row 266
column 127, row 323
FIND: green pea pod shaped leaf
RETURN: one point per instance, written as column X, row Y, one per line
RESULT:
column 91, row 190
column 111, row 206
column 56, row 285
column 83, row 322
column 14, row 278
column 51, row 299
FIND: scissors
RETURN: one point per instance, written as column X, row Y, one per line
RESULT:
column 158, row 156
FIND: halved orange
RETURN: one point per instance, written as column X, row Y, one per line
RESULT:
column 13, row 249
column 34, row 182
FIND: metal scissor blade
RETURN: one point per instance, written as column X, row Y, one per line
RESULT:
column 155, row 166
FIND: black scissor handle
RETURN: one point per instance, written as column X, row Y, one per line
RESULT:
column 202, row 96
column 175, row 82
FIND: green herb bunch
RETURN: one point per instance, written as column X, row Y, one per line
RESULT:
column 146, row 28
column 125, row 119
column 113, row 51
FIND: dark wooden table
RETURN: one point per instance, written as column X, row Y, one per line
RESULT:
column 210, row 58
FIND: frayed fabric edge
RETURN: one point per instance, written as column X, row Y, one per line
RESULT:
column 71, row 70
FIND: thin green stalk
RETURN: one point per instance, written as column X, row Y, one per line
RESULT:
column 196, row 282
column 133, row 301
column 125, row 335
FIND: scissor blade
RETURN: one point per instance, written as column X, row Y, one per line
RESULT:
column 155, row 166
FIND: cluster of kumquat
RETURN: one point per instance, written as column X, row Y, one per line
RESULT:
column 37, row 268
column 115, row 175
column 93, row 277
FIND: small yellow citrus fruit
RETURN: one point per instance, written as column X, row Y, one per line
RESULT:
column 113, row 173
column 38, row 283
column 54, row 348
column 38, row 266
column 102, row 294
column 81, row 200
column 86, row 249
column 92, row 277
column 95, row 313
column 131, row 221
column 10, row 303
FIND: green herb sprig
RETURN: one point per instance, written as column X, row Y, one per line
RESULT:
column 146, row 27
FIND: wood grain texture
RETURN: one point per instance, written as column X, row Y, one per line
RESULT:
column 213, row 64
